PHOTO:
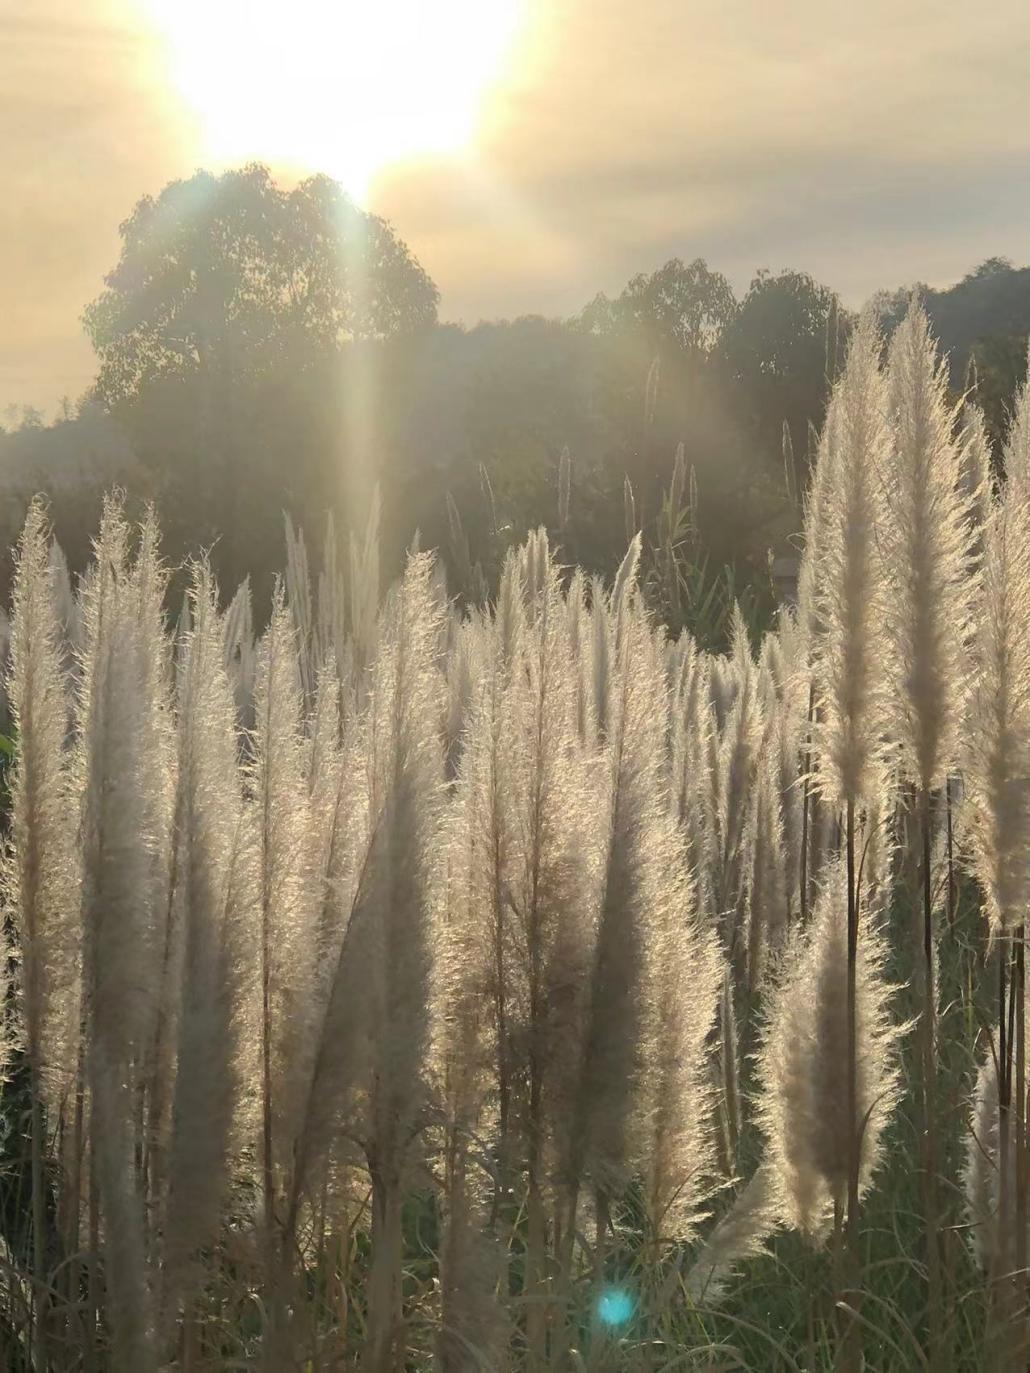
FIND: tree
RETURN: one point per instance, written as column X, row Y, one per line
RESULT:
column 999, row 371
column 22, row 418
column 685, row 306
column 782, row 348
column 229, row 289
column 992, row 302
column 226, row 275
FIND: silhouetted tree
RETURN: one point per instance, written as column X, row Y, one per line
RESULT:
column 992, row 302
column 999, row 371
column 780, row 349
column 228, row 274
column 226, row 285
column 686, row 306
column 22, row 418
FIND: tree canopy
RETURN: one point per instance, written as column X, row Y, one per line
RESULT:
column 781, row 349
column 686, row 306
column 231, row 274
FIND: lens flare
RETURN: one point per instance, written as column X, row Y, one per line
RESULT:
column 615, row 1306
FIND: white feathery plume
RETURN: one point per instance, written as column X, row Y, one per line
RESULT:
column 473, row 946
column 740, row 1234
column 765, row 877
column 469, row 912
column 926, row 537
column 625, row 579
column 472, row 1051
column 147, row 587
column 41, row 873
column 123, row 934
column 997, row 763
column 733, row 773
column 549, row 883
column 692, row 787
column 240, row 655
column 635, row 882
column 811, row 622
column 341, row 834
column 465, row 659
column 581, row 636
column 340, row 821
column 389, row 949
column 987, row 1177
column 481, row 1007
column 812, row 569
column 803, row 1104
column 981, row 1175
column 851, row 588
column 220, row 903
column 679, row 1155
column 553, row 853
column 69, row 617
column 280, row 804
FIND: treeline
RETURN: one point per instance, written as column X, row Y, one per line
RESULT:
column 262, row 350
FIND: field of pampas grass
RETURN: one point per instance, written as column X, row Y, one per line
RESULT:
column 517, row 987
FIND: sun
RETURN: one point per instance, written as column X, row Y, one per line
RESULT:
column 346, row 88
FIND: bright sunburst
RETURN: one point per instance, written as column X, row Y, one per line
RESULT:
column 345, row 87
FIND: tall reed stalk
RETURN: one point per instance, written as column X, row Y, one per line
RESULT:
column 851, row 671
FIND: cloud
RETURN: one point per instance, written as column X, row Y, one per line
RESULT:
column 86, row 128
column 871, row 145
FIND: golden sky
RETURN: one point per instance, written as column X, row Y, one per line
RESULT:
column 533, row 151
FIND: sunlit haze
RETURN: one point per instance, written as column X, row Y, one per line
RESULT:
column 529, row 152
column 344, row 88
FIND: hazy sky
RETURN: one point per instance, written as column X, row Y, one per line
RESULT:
column 872, row 142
